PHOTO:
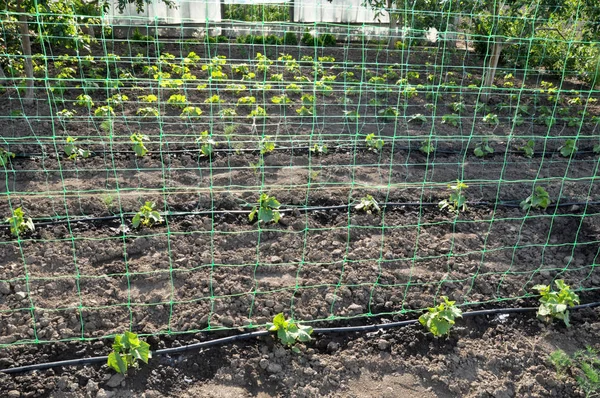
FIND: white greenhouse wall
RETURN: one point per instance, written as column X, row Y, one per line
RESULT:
column 202, row 11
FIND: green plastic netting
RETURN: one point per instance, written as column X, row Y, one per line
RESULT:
column 317, row 115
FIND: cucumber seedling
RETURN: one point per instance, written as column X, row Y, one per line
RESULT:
column 18, row 223
column 290, row 332
column 555, row 304
column 5, row 156
column 539, row 199
column 207, row 144
column 368, row 204
column 417, row 118
column 440, row 319
column 128, row 349
column 267, row 209
column 452, row 119
column 191, row 112
column 427, row 147
column 138, row 144
column 491, row 119
column 528, row 148
column 266, row 145
column 318, row 149
column 73, row 151
column 483, row 148
column 373, row 143
column 569, row 148
column 458, row 200
column 388, row 114
column 146, row 216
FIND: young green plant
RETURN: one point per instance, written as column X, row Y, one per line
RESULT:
column 584, row 366
column 528, row 148
column 5, row 156
column 569, row 148
column 427, row 147
column 539, row 199
column 374, row 144
column 128, row 349
column 18, row 223
column 138, row 144
column 318, row 149
column 555, row 304
column 146, row 216
column 266, row 145
column 368, row 204
column 483, row 148
column 439, row 319
column 73, row 151
column 267, row 209
column 289, row 332
column 457, row 201
column 207, row 144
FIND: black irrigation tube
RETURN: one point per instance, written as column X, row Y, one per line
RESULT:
column 509, row 204
column 303, row 149
column 262, row 333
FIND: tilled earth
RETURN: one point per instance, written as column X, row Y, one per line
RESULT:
column 185, row 280
column 492, row 356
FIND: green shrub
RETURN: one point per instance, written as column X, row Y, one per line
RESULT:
column 290, row 39
column 328, row 40
column 325, row 40
column 216, row 39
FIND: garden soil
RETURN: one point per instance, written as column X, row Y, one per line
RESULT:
column 197, row 272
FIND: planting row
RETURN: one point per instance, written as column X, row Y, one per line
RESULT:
column 267, row 209
column 544, row 106
column 207, row 146
column 129, row 350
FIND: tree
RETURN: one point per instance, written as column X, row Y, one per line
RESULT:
column 499, row 23
column 428, row 14
column 22, row 10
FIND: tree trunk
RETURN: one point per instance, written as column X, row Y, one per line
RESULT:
column 490, row 71
column 223, row 11
column 453, row 36
column 393, row 24
column 26, row 43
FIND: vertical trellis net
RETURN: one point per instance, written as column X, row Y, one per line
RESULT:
column 317, row 115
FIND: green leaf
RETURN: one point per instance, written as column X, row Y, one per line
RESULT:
column 439, row 326
column 560, row 307
column 143, row 352
column 252, row 214
column 544, row 310
column 560, row 284
column 136, row 220
column 273, row 203
column 279, row 321
column 265, row 215
column 478, row 152
column 541, row 288
column 304, row 333
column 566, row 319
column 115, row 361
column 276, row 216
column 130, row 340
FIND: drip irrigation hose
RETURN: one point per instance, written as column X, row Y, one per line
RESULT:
column 509, row 204
column 262, row 333
column 300, row 149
